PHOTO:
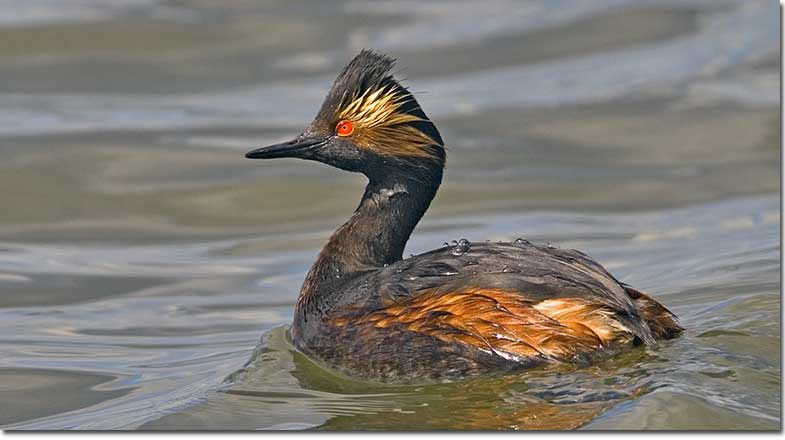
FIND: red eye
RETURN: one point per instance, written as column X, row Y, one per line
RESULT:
column 344, row 128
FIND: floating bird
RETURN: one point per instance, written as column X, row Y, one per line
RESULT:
column 462, row 310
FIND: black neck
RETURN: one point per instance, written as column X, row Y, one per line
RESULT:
column 376, row 233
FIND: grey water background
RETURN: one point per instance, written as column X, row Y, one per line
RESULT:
column 142, row 258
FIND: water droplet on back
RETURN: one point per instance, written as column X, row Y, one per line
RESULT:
column 462, row 246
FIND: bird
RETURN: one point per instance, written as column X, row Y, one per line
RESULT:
column 460, row 311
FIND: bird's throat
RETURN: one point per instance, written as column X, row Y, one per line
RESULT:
column 374, row 236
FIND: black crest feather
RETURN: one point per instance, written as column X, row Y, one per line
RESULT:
column 366, row 71
column 390, row 119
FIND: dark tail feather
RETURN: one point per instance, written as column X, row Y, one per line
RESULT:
column 662, row 322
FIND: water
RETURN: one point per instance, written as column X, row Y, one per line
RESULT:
column 142, row 259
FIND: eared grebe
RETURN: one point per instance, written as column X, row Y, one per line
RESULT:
column 461, row 310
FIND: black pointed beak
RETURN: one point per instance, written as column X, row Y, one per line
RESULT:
column 294, row 148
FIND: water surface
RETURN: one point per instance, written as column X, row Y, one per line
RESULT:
column 148, row 272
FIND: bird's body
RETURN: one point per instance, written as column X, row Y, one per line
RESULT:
column 457, row 311
column 471, row 309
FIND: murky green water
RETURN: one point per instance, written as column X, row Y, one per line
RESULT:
column 142, row 258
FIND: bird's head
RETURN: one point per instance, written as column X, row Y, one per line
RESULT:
column 368, row 123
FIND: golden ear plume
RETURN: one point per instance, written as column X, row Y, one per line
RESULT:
column 383, row 126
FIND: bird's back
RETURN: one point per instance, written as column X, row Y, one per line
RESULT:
column 477, row 308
